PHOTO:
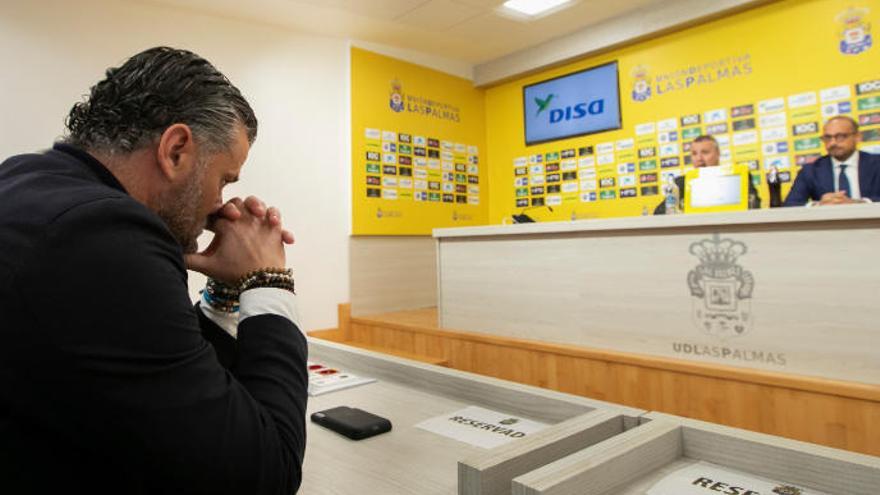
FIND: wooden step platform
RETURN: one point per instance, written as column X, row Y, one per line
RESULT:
column 408, row 320
column 839, row 414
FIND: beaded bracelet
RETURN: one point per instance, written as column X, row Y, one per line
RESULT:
column 221, row 296
column 279, row 278
column 224, row 297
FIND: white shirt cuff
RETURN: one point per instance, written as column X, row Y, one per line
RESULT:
column 268, row 300
column 255, row 302
column 227, row 321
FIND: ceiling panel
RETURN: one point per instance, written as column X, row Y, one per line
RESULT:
column 483, row 4
column 438, row 15
column 380, row 9
column 485, row 25
column 466, row 30
column 583, row 14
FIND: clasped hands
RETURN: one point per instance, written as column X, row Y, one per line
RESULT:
column 837, row 198
column 248, row 236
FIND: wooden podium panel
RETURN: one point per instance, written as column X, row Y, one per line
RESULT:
column 786, row 290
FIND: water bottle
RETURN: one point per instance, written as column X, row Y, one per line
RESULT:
column 672, row 197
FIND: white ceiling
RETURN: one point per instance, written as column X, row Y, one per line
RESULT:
column 470, row 31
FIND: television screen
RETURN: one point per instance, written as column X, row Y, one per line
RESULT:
column 581, row 103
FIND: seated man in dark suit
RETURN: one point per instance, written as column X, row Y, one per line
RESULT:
column 110, row 380
column 843, row 176
column 705, row 153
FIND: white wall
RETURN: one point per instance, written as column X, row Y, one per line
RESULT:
column 454, row 67
column 53, row 51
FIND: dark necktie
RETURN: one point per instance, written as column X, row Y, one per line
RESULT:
column 842, row 181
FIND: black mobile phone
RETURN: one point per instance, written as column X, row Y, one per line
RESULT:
column 352, row 422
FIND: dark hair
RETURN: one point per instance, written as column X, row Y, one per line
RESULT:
column 705, row 138
column 153, row 90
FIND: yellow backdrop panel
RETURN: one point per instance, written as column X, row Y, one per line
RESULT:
column 418, row 148
column 761, row 81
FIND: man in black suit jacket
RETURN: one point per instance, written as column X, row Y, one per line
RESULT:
column 705, row 153
column 110, row 380
column 844, row 175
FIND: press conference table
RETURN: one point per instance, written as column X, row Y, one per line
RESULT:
column 589, row 446
column 409, row 460
column 800, row 285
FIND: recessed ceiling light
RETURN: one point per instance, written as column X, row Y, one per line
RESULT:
column 534, row 8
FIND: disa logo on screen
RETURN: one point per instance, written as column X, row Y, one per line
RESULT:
column 570, row 112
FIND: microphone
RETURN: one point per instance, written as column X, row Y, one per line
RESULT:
column 523, row 218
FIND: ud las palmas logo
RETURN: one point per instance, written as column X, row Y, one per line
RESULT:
column 396, row 99
column 855, row 31
column 641, row 89
column 721, row 291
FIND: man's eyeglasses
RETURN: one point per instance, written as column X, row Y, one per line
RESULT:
column 836, row 137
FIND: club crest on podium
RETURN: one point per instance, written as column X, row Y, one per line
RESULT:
column 721, row 290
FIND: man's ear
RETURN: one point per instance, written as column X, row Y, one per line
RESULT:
column 176, row 154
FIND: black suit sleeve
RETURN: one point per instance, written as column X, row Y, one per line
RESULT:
column 126, row 372
column 225, row 345
column 800, row 190
column 871, row 187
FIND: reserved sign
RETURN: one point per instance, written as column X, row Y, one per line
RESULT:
column 481, row 427
column 704, row 478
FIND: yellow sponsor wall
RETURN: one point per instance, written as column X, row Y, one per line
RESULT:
column 762, row 81
column 418, row 148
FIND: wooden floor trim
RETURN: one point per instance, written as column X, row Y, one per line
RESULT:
column 333, row 334
column 783, row 380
